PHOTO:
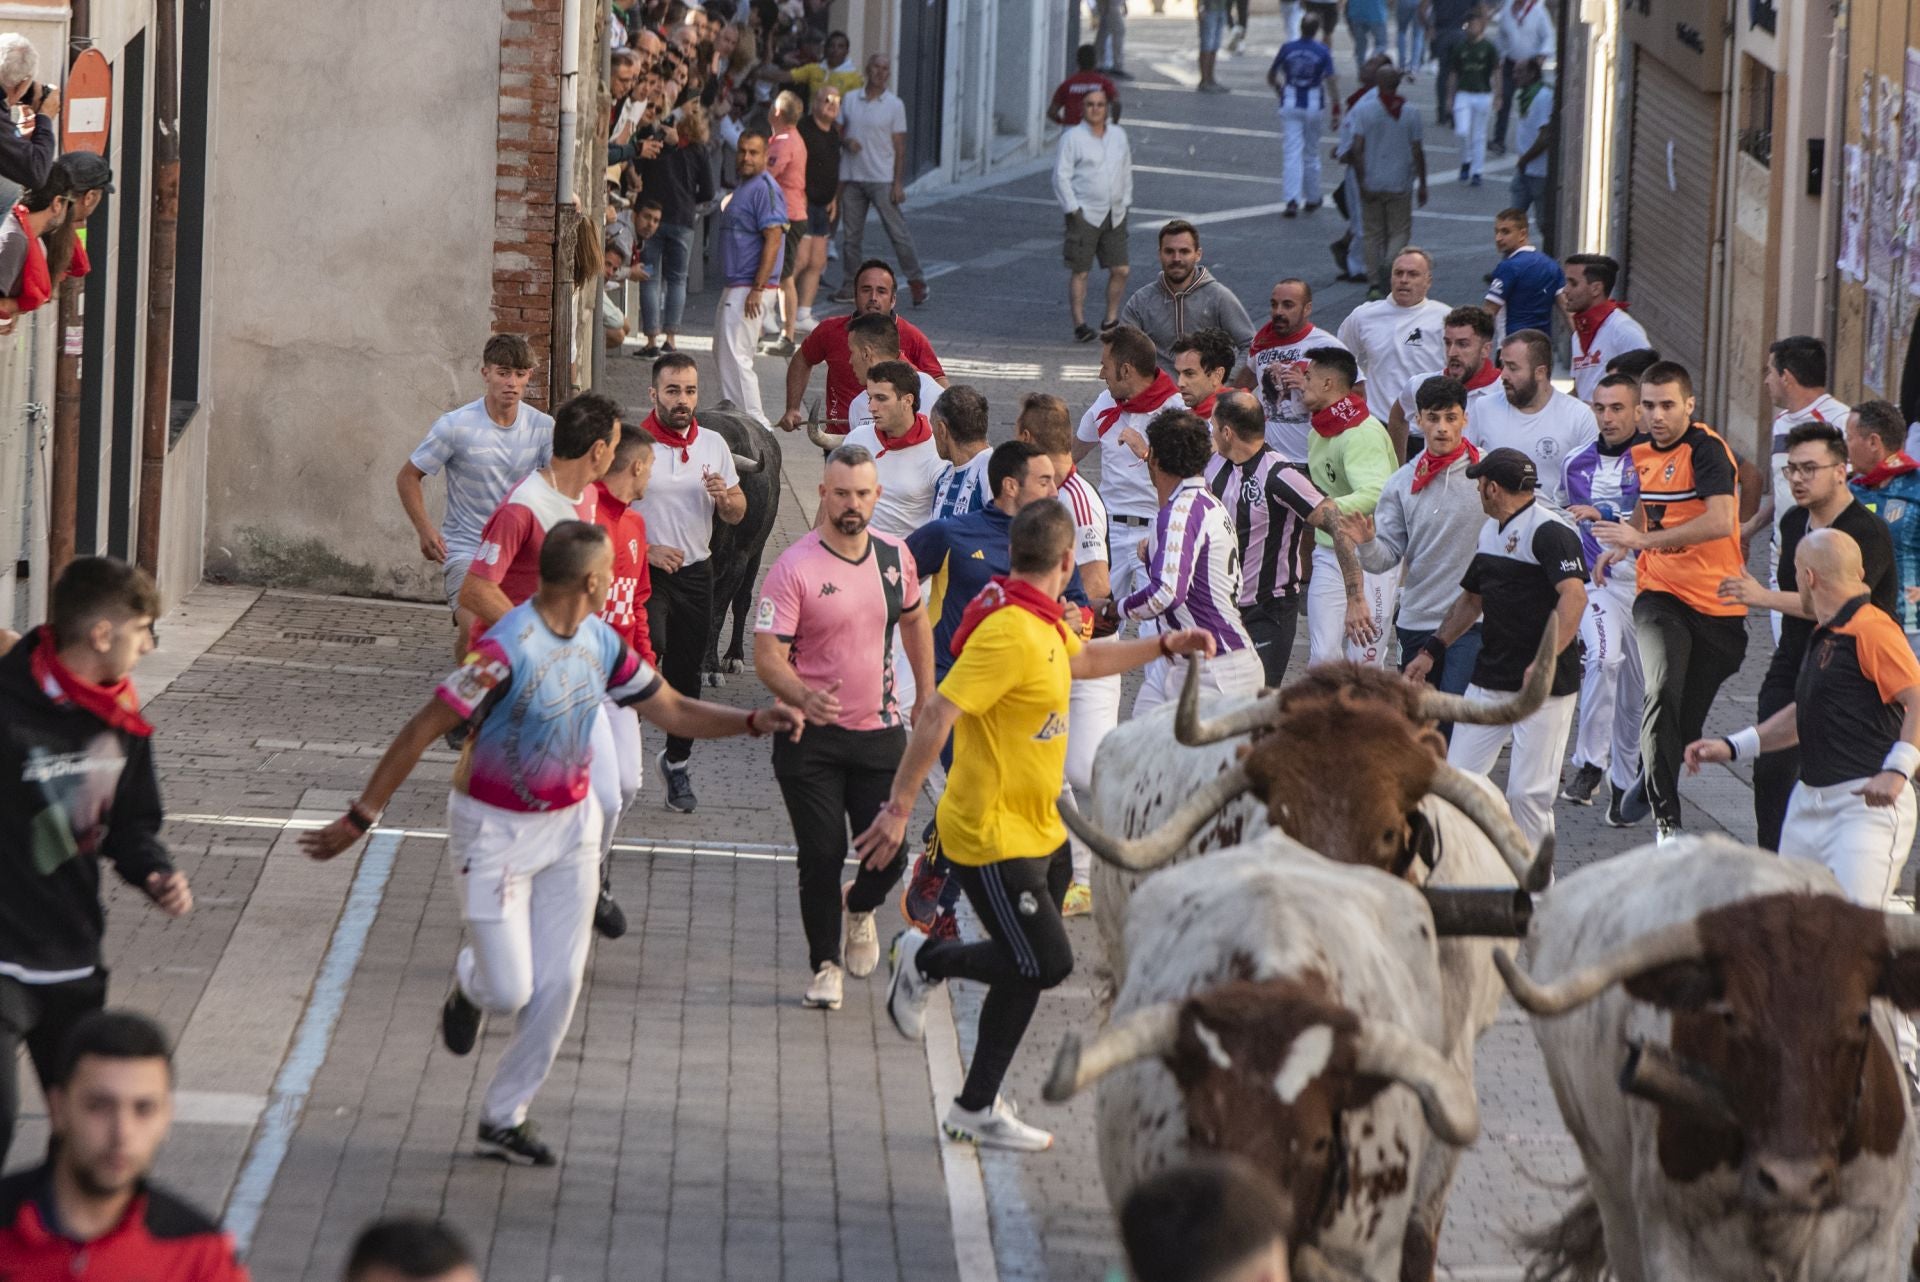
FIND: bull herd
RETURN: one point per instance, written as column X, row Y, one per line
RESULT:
column 1311, row 919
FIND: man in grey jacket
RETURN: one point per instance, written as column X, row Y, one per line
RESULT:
column 1428, row 520
column 1185, row 297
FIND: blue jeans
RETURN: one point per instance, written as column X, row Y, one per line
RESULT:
column 1412, row 34
column 1526, row 192
column 1455, row 669
column 1367, row 37
column 666, row 255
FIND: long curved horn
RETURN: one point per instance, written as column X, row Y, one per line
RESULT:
column 1676, row 943
column 1146, row 1033
column 824, row 439
column 1386, row 1050
column 1190, row 730
column 1465, row 794
column 1144, row 854
column 1475, row 712
column 1498, row 911
column 747, row 466
column 1653, row 1072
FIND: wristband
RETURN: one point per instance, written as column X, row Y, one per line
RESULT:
column 1166, row 651
column 888, row 808
column 360, row 819
column 1745, row 744
column 1903, row 758
column 1434, row 648
column 753, row 727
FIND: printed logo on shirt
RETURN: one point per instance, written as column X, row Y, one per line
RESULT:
column 1513, row 540
column 490, row 553
column 1571, row 567
column 763, row 621
column 633, row 549
column 1416, row 338
column 828, row 589
column 1053, row 727
column 1028, row 904
column 475, row 679
column 978, row 555
column 892, row 576
column 1895, row 509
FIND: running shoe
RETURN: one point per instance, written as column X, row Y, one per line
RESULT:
column 844, row 294
column 1084, row 333
column 1238, row 38
column 1312, row 206
column 608, row 921
column 1585, row 782
column 1665, row 831
column 824, row 992
column 996, row 1127
column 907, row 988
column 863, row 944
column 1292, row 210
column 805, row 325
column 1207, row 86
column 920, row 292
column 921, row 902
column 1616, row 818
column 1466, row 171
column 460, row 1020
column 679, row 781
column 1474, row 181
column 1079, row 900
column 516, row 1144
column 648, row 351
column 778, row 346
column 946, row 925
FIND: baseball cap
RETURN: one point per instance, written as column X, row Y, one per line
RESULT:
column 1507, row 468
column 88, row 171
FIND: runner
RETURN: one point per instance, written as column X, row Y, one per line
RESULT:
column 522, row 844
column 1797, row 386
column 1469, row 345
column 1601, row 327
column 874, row 294
column 897, row 436
column 1202, row 360
column 959, row 419
column 1397, row 338
column 1277, row 358
column 872, row 340
column 1533, row 416
column 1006, row 701
column 825, row 642
column 1116, row 425
column 1349, row 460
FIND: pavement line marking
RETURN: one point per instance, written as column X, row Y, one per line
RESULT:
column 959, row 1163
column 312, row 1040
column 1206, row 173
column 1233, row 131
column 743, row 850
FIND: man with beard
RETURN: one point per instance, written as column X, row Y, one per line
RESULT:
column 1184, row 297
column 1468, row 335
column 1277, row 360
column 1534, row 416
column 829, row 613
column 874, row 293
column 1116, row 425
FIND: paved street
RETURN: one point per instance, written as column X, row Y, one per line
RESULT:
column 710, row 1126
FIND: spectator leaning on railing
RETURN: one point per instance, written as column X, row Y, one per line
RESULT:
column 25, row 280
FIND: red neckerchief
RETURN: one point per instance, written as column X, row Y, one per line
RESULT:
column 1205, row 408
column 1266, row 338
column 1430, row 465
column 36, row 283
column 1588, row 323
column 1487, row 372
column 1357, row 95
column 1002, row 591
column 1898, row 463
column 79, row 265
column 1153, row 397
column 1348, row 411
column 1392, row 102
column 117, row 705
column 671, row 439
column 920, row 431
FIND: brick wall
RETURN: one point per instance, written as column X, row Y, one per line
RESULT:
column 525, row 179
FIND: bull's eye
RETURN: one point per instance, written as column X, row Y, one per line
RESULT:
column 1866, row 1018
column 1320, row 1145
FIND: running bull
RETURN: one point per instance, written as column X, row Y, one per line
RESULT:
column 1288, row 1009
column 736, row 549
column 1717, row 1024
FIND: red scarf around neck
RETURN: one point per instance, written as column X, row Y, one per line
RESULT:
column 1205, row 408
column 1898, row 463
column 36, row 283
column 920, row 432
column 1152, row 398
column 1001, row 592
column 1430, row 465
column 1487, row 372
column 1266, row 337
column 671, row 439
column 1588, row 323
column 1392, row 102
column 1348, row 411
column 116, row 705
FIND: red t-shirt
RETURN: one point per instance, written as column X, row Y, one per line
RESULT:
column 1077, row 86
column 510, row 542
column 828, row 343
column 626, row 607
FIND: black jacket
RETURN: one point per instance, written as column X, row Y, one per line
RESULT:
column 26, row 160
column 681, row 179
column 72, row 791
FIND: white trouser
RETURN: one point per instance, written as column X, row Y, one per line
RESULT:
column 1356, row 227
column 1125, row 570
column 1300, row 153
column 1327, row 612
column 1236, row 673
column 1093, row 710
column 1533, row 768
column 1290, row 18
column 527, row 882
column 1471, row 112
column 734, row 337
column 615, row 772
column 1612, row 690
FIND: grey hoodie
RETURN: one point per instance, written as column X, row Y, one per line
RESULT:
column 1432, row 533
column 1165, row 316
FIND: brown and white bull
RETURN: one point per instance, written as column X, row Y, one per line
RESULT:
column 1716, row 1022
column 1275, row 1005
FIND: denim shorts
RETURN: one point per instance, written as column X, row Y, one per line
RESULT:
column 818, row 224
column 1213, row 28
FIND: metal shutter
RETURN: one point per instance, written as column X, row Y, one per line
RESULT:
column 1670, row 228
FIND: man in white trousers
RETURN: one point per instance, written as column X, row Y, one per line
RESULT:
column 523, row 831
column 752, row 238
column 1302, row 76
column 1349, row 252
column 1528, row 573
column 1137, row 389
column 1349, row 459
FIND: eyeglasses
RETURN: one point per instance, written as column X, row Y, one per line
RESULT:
column 1806, row 471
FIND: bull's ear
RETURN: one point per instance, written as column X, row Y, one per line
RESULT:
column 1423, row 843
column 1900, row 980
column 1683, row 985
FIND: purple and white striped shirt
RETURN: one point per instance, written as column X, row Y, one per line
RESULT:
column 1269, row 501
column 1193, row 569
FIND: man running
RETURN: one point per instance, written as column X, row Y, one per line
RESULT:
column 523, row 837
column 1797, row 386
column 1349, row 459
column 1116, row 425
column 897, row 436
column 1277, row 360
column 871, row 340
column 1601, row 327
column 1202, row 361
column 1468, row 334
column 829, row 613
column 1534, row 416
column 485, row 447
column 1887, row 480
column 1400, row 337
column 959, row 419
column 1526, row 572
column 874, row 294
column 1006, row 702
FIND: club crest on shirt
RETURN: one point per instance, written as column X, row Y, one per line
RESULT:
column 892, row 576
column 1513, row 540
column 763, row 621
column 1052, row 728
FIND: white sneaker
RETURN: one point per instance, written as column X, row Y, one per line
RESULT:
column 824, row 992
column 805, row 323
column 996, row 1127
column 908, row 989
column 863, row 945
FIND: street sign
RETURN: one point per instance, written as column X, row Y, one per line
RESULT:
column 88, row 101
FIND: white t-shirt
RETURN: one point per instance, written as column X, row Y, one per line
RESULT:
column 1392, row 344
column 1618, row 334
column 1082, row 501
column 1822, row 409
column 860, row 411
column 677, row 508
column 872, row 123
column 1288, row 421
column 1124, row 485
column 1409, row 397
column 907, row 478
column 1548, row 436
column 483, row 462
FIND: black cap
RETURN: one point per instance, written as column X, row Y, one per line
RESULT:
column 1508, row 468
column 88, row 171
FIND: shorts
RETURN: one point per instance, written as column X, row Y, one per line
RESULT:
column 1213, row 28
column 1084, row 242
column 818, row 224
column 453, row 574
column 795, row 230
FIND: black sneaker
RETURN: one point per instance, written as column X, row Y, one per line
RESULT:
column 608, row 921
column 1312, row 206
column 1585, row 782
column 517, row 1144
column 460, row 1021
column 1464, row 171
column 679, row 781
column 1292, row 210
column 1635, row 805
column 1617, row 798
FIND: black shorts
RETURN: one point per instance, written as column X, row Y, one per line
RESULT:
column 1085, row 242
column 795, row 231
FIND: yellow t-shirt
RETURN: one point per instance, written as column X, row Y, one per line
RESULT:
column 814, row 73
column 1012, row 685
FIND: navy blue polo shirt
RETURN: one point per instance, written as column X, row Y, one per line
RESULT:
column 1524, row 284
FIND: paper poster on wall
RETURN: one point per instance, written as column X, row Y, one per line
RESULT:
column 1873, row 369
column 1853, row 215
column 1866, row 109
column 1909, row 234
column 1887, row 123
column 1883, row 214
column 1910, row 113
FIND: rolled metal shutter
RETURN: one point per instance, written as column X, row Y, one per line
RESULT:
column 1671, row 199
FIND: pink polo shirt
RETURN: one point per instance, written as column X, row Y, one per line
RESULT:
column 839, row 617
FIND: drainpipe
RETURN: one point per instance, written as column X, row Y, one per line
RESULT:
column 596, row 209
column 64, row 470
column 1833, row 175
column 161, row 240
column 560, row 341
